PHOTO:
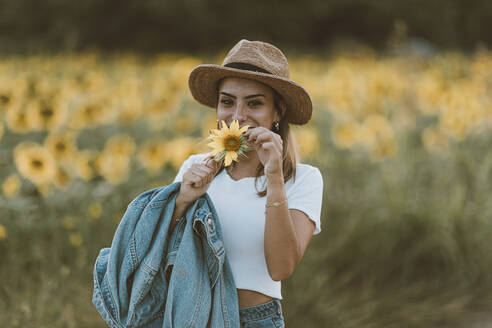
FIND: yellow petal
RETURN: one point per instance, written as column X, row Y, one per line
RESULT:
column 216, row 132
column 234, row 126
column 215, row 152
column 244, row 129
column 215, row 144
column 225, row 129
column 215, row 138
column 228, row 159
column 234, row 155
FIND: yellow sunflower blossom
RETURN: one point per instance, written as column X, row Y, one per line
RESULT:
column 11, row 186
column 3, row 232
column 35, row 162
column 95, row 211
column 228, row 142
column 75, row 239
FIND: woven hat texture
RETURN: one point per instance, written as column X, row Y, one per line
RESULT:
column 258, row 61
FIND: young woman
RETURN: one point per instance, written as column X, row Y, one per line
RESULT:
column 266, row 229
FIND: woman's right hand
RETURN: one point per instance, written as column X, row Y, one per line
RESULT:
column 197, row 179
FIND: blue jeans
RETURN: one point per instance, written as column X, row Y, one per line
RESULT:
column 264, row 315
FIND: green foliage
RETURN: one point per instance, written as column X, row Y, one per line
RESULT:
column 150, row 26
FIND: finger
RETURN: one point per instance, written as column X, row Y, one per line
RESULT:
column 270, row 146
column 211, row 163
column 190, row 178
column 248, row 132
column 205, row 174
column 268, row 137
column 214, row 164
column 212, row 168
column 200, row 171
column 209, row 176
column 264, row 137
column 197, row 180
column 253, row 133
column 209, row 156
column 209, row 167
column 253, row 144
column 200, row 167
column 208, row 172
column 277, row 138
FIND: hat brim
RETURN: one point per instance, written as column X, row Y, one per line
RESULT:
column 203, row 81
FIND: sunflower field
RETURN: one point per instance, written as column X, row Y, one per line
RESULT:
column 404, row 144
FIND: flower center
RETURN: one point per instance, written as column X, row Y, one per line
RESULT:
column 37, row 163
column 232, row 143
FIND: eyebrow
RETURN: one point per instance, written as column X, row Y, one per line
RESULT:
column 247, row 97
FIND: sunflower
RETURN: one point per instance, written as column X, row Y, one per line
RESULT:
column 35, row 162
column 228, row 142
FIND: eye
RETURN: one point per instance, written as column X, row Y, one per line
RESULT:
column 254, row 103
column 226, row 101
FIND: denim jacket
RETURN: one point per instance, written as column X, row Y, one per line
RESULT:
column 150, row 279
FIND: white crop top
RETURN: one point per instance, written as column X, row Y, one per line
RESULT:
column 242, row 218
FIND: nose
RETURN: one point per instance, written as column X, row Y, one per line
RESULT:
column 240, row 112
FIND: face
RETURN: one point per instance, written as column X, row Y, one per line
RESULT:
column 248, row 101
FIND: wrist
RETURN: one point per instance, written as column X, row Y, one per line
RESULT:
column 180, row 208
column 182, row 203
column 275, row 177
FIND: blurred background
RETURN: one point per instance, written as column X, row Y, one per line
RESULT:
column 95, row 109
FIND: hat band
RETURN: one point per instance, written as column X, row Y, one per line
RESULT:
column 247, row 67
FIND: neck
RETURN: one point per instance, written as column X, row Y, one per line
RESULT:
column 246, row 167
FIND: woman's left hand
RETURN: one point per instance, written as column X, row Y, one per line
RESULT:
column 268, row 146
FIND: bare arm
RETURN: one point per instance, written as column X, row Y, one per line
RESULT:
column 287, row 232
column 195, row 183
column 282, row 250
column 180, row 208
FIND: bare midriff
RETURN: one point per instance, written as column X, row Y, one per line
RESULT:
column 251, row 298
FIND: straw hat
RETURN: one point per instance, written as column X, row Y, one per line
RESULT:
column 258, row 61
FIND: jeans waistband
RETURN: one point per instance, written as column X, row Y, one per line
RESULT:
column 260, row 311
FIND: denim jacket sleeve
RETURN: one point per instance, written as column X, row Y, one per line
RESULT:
column 131, row 288
column 127, row 278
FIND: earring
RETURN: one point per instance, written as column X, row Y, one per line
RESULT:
column 276, row 126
